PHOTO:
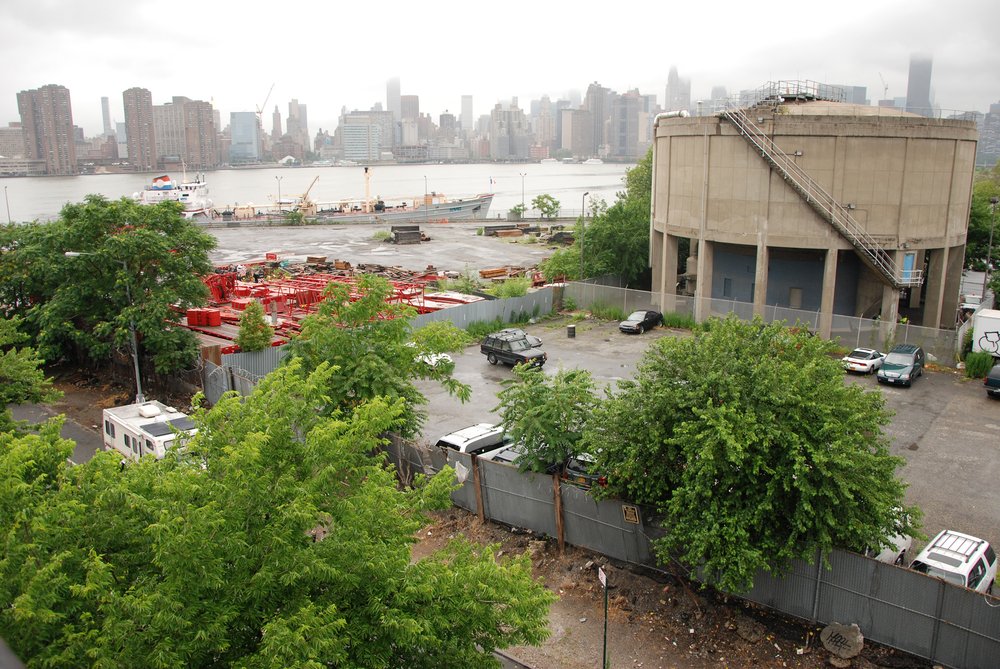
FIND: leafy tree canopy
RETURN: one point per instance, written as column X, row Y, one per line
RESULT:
column 746, row 438
column 274, row 539
column 546, row 205
column 136, row 263
column 981, row 219
column 546, row 415
column 364, row 334
column 21, row 376
column 616, row 238
column 255, row 333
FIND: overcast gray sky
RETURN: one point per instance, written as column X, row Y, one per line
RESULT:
column 331, row 54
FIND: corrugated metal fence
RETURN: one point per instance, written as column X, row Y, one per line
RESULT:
column 239, row 371
column 894, row 606
column 941, row 345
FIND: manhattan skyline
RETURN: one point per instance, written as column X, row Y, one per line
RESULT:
column 333, row 57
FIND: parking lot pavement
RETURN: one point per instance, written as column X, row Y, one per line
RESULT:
column 944, row 426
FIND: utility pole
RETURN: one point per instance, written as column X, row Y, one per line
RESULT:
column 989, row 253
column 583, row 227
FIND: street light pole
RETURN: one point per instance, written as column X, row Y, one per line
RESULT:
column 7, row 202
column 426, row 203
column 989, row 253
column 583, row 227
column 523, row 174
column 139, row 397
column 278, row 179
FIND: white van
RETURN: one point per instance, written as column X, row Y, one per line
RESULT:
column 475, row 439
column 149, row 428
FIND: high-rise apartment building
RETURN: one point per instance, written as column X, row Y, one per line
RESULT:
column 201, row 137
column 545, row 123
column 106, row 116
column 47, row 120
column 510, row 132
column 598, row 103
column 578, row 132
column 121, row 136
column 140, row 134
column 678, row 93
column 918, row 86
column 626, row 112
column 12, row 141
column 362, row 137
column 168, row 129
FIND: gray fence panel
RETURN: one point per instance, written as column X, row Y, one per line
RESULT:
column 511, row 309
column 256, row 364
column 969, row 631
column 521, row 500
column 465, row 495
column 600, row 526
column 215, row 381
column 406, row 457
column 793, row 593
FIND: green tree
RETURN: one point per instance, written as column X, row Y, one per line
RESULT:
column 981, row 220
column 547, row 205
column 546, row 415
column 255, row 333
column 746, row 438
column 273, row 539
column 21, row 376
column 517, row 211
column 364, row 331
column 137, row 265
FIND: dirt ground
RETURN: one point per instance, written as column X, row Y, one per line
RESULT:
column 655, row 621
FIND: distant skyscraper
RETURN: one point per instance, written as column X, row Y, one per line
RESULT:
column 106, row 114
column 298, row 124
column 47, row 119
column 467, row 114
column 168, row 129
column 121, row 135
column 362, row 136
column 624, row 126
column 678, row 95
column 392, row 98
column 918, row 85
column 12, row 140
column 140, row 134
column 510, row 132
column 275, row 125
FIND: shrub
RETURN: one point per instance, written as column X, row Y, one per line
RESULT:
column 515, row 286
column 966, row 344
column 978, row 364
column 606, row 312
column 381, row 235
column 466, row 283
column 569, row 304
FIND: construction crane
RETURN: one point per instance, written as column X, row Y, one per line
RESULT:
column 885, row 87
column 263, row 106
column 305, row 205
column 260, row 121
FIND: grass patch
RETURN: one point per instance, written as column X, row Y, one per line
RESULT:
column 515, row 286
column 606, row 312
column 680, row 321
column 381, row 235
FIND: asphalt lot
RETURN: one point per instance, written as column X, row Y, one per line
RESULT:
column 945, row 427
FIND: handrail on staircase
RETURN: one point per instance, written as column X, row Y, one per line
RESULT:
column 815, row 194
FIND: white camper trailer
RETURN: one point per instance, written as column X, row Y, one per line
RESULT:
column 149, row 428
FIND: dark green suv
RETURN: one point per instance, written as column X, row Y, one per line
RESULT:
column 511, row 348
column 903, row 363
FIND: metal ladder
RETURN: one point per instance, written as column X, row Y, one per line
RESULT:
column 871, row 252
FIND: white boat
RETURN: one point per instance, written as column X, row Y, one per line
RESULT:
column 192, row 194
column 593, row 161
column 549, row 161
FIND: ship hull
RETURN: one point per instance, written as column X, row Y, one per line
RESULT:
column 474, row 208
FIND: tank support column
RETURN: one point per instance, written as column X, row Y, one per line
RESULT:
column 825, row 325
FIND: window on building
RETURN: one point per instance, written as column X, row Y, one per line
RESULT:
column 727, row 287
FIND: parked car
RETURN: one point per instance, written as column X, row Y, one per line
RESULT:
column 640, row 321
column 863, row 360
column 579, row 471
column 511, row 349
column 475, row 439
column 992, row 382
column 902, row 365
column 532, row 339
column 507, row 455
column 959, row 558
column 895, row 552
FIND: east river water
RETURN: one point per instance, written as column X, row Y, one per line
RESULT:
column 41, row 198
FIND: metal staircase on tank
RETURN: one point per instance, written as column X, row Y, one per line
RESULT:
column 839, row 216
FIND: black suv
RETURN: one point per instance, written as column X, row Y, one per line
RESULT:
column 903, row 363
column 511, row 348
